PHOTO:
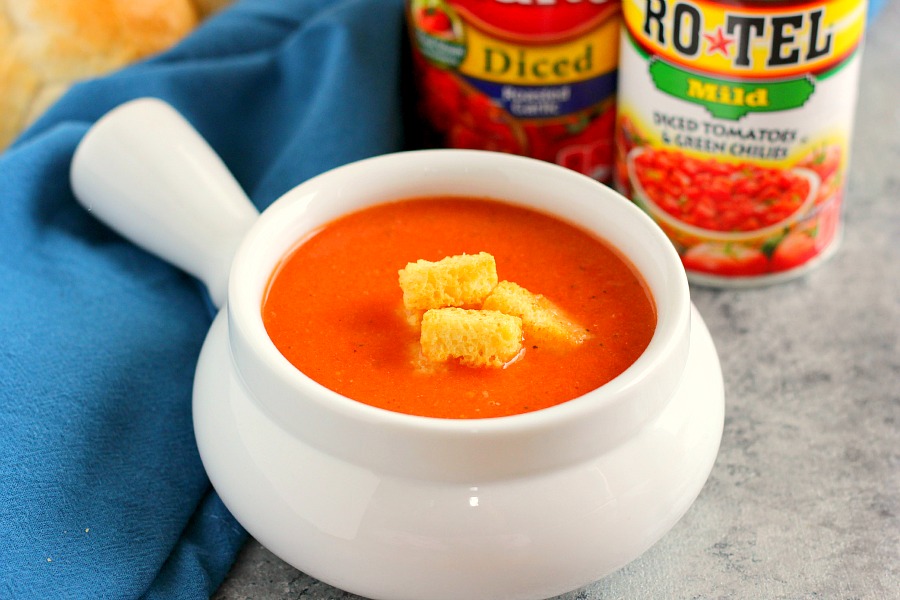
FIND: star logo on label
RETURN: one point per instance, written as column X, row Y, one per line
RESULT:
column 718, row 42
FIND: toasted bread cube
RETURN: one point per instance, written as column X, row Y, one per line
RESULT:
column 540, row 317
column 461, row 280
column 478, row 338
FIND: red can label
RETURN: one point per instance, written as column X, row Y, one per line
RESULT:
column 530, row 77
column 734, row 127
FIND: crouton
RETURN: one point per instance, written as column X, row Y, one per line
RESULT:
column 462, row 280
column 541, row 318
column 476, row 337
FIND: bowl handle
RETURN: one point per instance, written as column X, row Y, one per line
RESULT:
column 146, row 172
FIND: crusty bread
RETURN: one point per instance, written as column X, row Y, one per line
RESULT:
column 461, row 280
column 477, row 338
column 207, row 7
column 541, row 319
column 464, row 313
column 47, row 45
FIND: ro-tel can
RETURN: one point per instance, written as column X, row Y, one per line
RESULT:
column 530, row 77
column 734, row 127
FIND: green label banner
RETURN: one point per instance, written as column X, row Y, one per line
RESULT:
column 731, row 99
column 447, row 53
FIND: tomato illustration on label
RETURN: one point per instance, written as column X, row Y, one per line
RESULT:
column 434, row 20
column 733, row 260
column 825, row 161
column 795, row 249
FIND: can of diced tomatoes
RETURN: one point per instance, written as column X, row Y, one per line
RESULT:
column 530, row 77
column 734, row 126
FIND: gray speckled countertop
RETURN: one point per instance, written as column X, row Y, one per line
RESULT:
column 804, row 499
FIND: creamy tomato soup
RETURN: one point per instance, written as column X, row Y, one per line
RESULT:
column 334, row 308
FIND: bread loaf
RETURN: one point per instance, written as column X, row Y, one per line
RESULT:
column 47, row 45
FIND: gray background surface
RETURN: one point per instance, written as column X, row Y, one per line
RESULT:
column 804, row 499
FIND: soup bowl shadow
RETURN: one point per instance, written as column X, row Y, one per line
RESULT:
column 389, row 505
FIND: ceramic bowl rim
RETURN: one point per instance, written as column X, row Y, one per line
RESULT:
column 244, row 313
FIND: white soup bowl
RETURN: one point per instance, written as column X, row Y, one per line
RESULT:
column 389, row 505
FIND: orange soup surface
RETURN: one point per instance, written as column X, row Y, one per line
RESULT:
column 334, row 308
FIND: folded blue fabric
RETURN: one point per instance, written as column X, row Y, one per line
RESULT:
column 102, row 492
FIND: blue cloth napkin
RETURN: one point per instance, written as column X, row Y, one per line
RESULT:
column 102, row 492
